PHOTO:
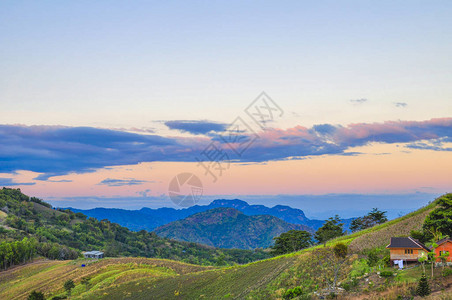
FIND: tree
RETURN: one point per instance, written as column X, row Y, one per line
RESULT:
column 432, row 256
column 422, row 260
column 373, row 218
column 330, row 229
column 330, row 263
column 291, row 241
column 378, row 216
column 357, row 224
column 36, row 296
column 423, row 289
column 421, row 235
column 444, row 256
column 69, row 285
column 441, row 217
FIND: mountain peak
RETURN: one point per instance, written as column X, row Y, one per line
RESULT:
column 227, row 227
column 229, row 203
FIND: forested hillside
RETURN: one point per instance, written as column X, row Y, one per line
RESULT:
column 228, row 228
column 63, row 234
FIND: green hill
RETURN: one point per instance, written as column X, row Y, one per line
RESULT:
column 272, row 278
column 63, row 234
column 228, row 228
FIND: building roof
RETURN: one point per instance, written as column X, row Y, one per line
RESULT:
column 443, row 241
column 406, row 242
column 94, row 252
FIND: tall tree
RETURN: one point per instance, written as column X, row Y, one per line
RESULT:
column 330, row 261
column 291, row 241
column 330, row 229
column 374, row 217
column 441, row 217
column 378, row 216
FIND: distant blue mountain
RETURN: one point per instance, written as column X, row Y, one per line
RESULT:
column 149, row 219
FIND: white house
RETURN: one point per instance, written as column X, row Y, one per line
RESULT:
column 93, row 254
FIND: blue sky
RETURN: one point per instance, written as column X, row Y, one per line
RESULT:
column 127, row 64
column 111, row 99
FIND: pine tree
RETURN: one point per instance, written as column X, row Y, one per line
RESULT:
column 423, row 288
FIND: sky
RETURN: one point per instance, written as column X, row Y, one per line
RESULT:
column 104, row 103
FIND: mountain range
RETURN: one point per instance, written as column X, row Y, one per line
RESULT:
column 149, row 219
column 226, row 227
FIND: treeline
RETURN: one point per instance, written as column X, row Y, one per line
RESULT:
column 19, row 252
column 295, row 240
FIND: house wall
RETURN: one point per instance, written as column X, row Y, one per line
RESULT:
column 399, row 253
column 447, row 246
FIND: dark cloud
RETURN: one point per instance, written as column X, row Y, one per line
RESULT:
column 359, row 101
column 57, row 150
column 53, row 150
column 10, row 182
column 121, row 182
column 400, row 104
column 196, row 127
column 324, row 128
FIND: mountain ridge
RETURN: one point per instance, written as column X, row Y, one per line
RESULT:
column 227, row 227
column 139, row 219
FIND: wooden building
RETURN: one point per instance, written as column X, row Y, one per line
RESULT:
column 406, row 249
column 444, row 245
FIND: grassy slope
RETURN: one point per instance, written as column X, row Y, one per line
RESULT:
column 49, row 276
column 191, row 282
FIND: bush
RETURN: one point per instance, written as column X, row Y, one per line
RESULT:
column 360, row 267
column 372, row 258
column 386, row 274
column 36, row 296
column 69, row 285
column 346, row 286
column 423, row 289
column 292, row 293
column 352, row 283
column 387, row 260
column 447, row 272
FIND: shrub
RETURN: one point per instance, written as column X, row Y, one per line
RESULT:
column 69, row 285
column 447, row 272
column 346, row 286
column 386, row 274
column 36, row 296
column 387, row 260
column 372, row 258
column 359, row 268
column 352, row 283
column 292, row 293
column 423, row 289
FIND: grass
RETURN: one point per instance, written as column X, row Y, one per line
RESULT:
column 3, row 215
column 49, row 276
